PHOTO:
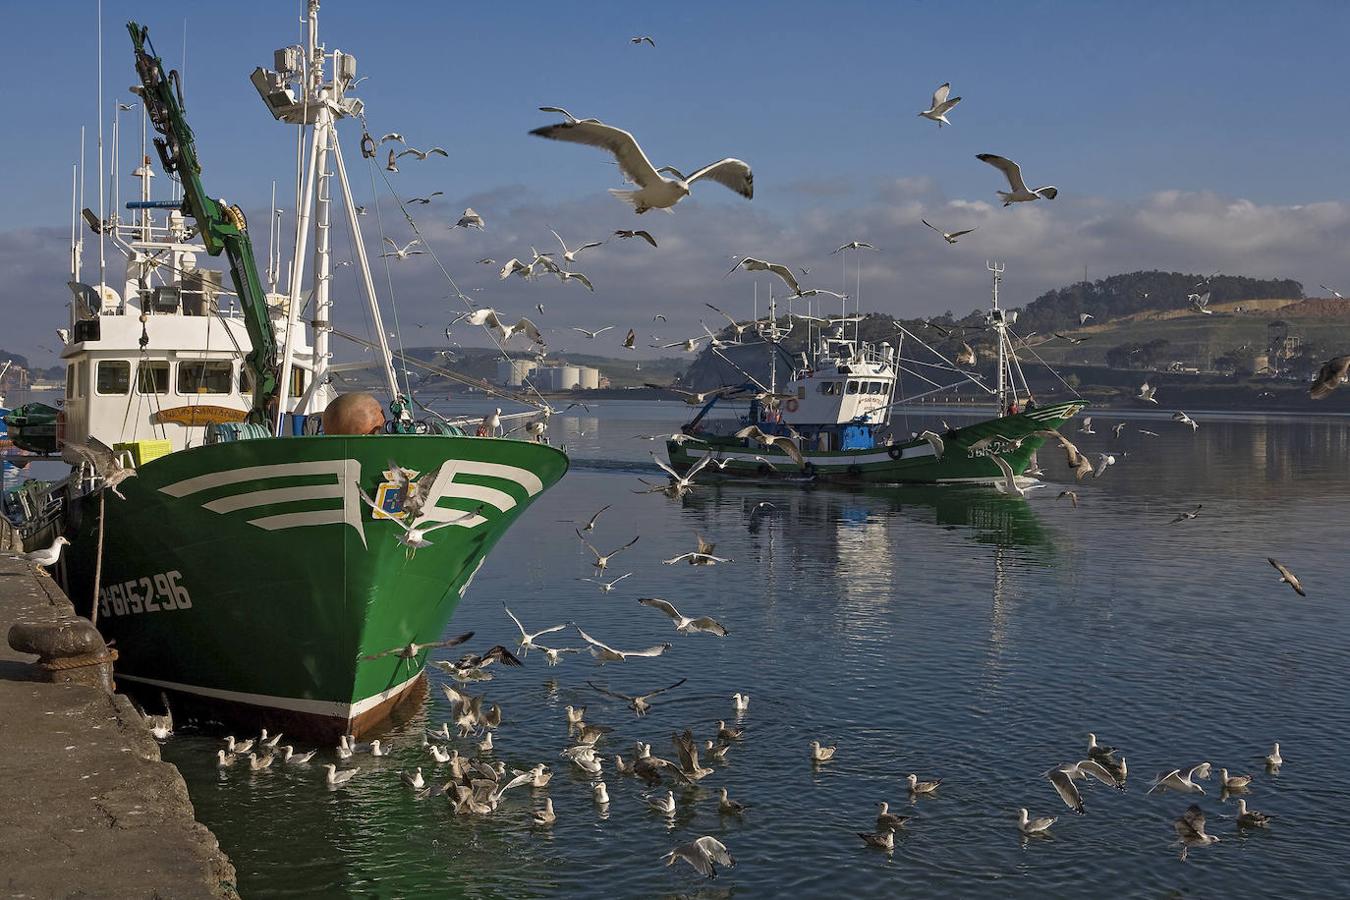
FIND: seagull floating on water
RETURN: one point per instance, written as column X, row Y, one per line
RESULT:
column 1039, row 825
column 821, row 754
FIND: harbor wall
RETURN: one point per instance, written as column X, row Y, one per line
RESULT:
column 89, row 808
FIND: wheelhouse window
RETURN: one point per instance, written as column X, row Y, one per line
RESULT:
column 205, row 377
column 876, row 387
column 114, row 376
column 853, row 387
column 81, row 378
column 70, row 382
column 152, row 377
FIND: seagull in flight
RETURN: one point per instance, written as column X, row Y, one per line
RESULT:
column 1146, row 393
column 1287, row 576
column 425, row 200
column 490, row 318
column 1009, row 484
column 705, row 854
column 685, row 624
column 938, row 109
column 637, row 703
column 606, row 653
column 402, row 253
column 420, row 154
column 1200, row 302
column 685, row 482
column 625, row 234
column 565, row 114
column 1182, row 517
column 948, row 236
column 1334, row 372
column 1184, row 419
column 853, row 245
column 565, row 276
column 1013, row 172
column 602, row 559
column 641, row 39
column 412, row 650
column 607, row 586
column 655, row 191
column 764, row 439
column 1063, row 777
column 391, row 136
column 570, row 256
column 527, row 640
column 592, row 334
column 750, row 264
column 469, row 219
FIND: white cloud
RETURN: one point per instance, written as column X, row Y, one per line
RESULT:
column 1045, row 245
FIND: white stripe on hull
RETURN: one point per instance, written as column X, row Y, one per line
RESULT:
column 334, row 709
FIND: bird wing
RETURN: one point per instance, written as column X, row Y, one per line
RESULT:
column 606, row 690
column 646, row 236
column 632, row 161
column 675, row 559
column 789, row 447
column 698, row 467
column 957, row 234
column 560, row 240
column 693, row 854
column 1288, row 576
column 785, row 273
column 716, row 850
column 932, row 226
column 523, row 632
column 452, row 642
column 940, row 95
column 390, row 241
column 1010, row 170
column 651, row 651
column 664, row 689
column 946, row 105
column 1097, row 771
column 1009, row 480
column 665, row 468
column 588, row 245
column 711, row 625
column 593, row 642
column 664, row 606
column 589, row 545
column 730, row 172
column 591, row 523
column 1066, row 789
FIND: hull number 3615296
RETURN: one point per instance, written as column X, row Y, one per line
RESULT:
column 153, row 593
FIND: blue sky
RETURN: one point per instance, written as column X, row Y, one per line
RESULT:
column 1116, row 104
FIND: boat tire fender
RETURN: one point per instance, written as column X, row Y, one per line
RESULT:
column 791, row 405
column 895, row 451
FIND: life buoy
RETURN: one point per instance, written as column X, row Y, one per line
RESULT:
column 791, row 405
column 895, row 451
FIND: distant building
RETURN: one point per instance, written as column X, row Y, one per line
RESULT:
column 512, row 372
column 565, row 377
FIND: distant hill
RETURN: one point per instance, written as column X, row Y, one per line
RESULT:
column 481, row 363
column 1124, row 295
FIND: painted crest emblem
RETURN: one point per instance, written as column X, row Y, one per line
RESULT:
column 388, row 503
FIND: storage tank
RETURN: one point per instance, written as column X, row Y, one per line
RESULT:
column 588, row 378
column 513, row 371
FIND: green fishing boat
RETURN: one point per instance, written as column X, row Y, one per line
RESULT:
column 260, row 566
column 831, row 422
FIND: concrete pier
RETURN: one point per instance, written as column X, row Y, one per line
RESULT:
column 87, row 807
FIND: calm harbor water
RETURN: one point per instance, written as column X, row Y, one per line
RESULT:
column 948, row 632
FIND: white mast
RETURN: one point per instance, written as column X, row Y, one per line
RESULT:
column 319, row 106
column 1000, row 328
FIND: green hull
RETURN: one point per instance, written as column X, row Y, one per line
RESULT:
column 249, row 577
column 915, row 462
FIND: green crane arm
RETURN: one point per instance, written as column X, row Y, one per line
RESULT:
column 220, row 227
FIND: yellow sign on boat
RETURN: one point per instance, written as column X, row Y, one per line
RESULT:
column 198, row 415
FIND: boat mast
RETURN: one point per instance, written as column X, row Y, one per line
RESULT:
column 319, row 106
column 1000, row 328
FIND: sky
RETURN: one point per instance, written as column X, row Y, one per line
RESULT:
column 1183, row 136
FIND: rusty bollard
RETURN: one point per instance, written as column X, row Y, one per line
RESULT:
column 69, row 651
